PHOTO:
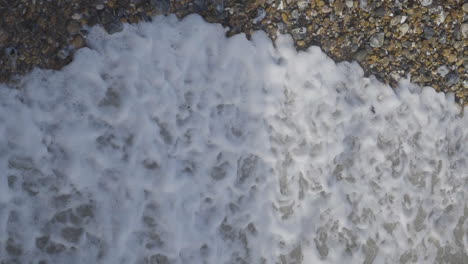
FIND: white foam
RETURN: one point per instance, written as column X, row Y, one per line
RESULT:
column 169, row 142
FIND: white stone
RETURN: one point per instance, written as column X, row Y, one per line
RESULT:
column 426, row 2
column 442, row 70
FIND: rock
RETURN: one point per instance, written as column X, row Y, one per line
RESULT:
column 285, row 17
column 403, row 28
column 377, row 40
column 395, row 21
column 465, row 7
column 302, row 4
column 260, row 15
column 380, row 12
column 426, row 2
column 452, row 79
column 349, row 3
column 63, row 53
column 3, row 36
column 361, row 55
column 158, row 259
column 72, row 234
column 464, row 30
column 76, row 16
column 299, row 33
column 73, row 27
column 100, row 7
column 301, row 43
column 13, row 248
column 442, row 70
column 326, row 9
column 78, row 42
column 113, row 27
column 338, row 6
column 295, row 14
column 428, row 33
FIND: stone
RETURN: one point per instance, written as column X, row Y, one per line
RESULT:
column 326, row 9
column 442, row 70
column 3, row 36
column 76, row 16
column 299, row 33
column 113, row 27
column 452, row 79
column 428, row 33
column 338, row 6
column 295, row 14
column 73, row 27
column 260, row 15
column 377, row 40
column 72, row 234
column 349, row 3
column 464, row 30
column 301, row 43
column 380, row 12
column 302, row 4
column 403, row 28
column 100, row 7
column 426, row 2
column 465, row 7
column 78, row 42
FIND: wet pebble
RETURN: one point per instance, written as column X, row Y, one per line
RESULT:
column 428, row 33
column 260, row 15
column 464, row 30
column 465, row 7
column 377, row 40
column 442, row 70
column 299, row 33
column 113, row 27
column 452, row 79
column 426, row 2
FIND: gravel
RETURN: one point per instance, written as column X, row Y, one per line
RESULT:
column 390, row 39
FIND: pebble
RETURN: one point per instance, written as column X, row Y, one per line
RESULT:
column 78, row 42
column 113, row 27
column 377, row 40
column 3, row 36
column 442, row 70
column 464, row 30
column 326, row 9
column 260, row 15
column 299, row 33
column 403, row 28
column 301, row 43
column 63, row 53
column 426, row 2
column 100, row 7
column 295, row 14
column 349, row 3
column 302, row 4
column 465, row 7
column 428, row 33
column 452, row 79
column 73, row 27
column 76, row 16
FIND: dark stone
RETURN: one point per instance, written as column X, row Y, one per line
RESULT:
column 72, row 234
column 54, row 248
column 428, row 33
column 41, row 242
column 85, row 210
column 113, row 27
column 157, row 259
column 12, row 248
